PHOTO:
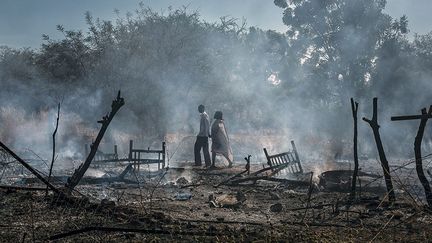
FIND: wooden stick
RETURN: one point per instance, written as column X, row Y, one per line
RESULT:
column 53, row 152
column 232, row 177
column 410, row 117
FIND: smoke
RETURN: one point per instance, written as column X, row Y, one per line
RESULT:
column 270, row 87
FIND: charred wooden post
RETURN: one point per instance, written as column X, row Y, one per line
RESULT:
column 130, row 154
column 247, row 167
column 163, row 154
column 354, row 109
column 418, row 157
column 384, row 163
column 267, row 156
column 79, row 173
column 417, row 148
column 53, row 152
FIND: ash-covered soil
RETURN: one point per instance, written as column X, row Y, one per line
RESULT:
column 186, row 205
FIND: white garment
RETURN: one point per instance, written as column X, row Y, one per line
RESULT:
column 220, row 140
column 204, row 125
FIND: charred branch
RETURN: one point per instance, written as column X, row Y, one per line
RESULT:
column 54, row 145
column 33, row 171
column 417, row 151
column 373, row 123
column 417, row 148
column 135, row 230
column 79, row 173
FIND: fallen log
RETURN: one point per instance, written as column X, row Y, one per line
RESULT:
column 134, row 230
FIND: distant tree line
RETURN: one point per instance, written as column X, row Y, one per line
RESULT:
column 168, row 63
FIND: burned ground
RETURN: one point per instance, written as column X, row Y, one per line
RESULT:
column 184, row 204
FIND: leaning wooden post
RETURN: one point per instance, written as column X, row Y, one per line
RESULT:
column 33, row 171
column 418, row 157
column 79, row 173
column 354, row 108
column 384, row 163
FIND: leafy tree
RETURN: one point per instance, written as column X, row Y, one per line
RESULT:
column 17, row 64
column 66, row 59
column 336, row 40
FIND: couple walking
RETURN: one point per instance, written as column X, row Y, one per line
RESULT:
column 219, row 136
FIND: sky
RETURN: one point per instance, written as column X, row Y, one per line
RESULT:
column 22, row 22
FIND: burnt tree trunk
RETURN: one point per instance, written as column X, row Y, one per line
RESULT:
column 418, row 157
column 79, row 173
column 384, row 163
column 354, row 108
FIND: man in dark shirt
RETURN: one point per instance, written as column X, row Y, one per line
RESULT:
column 202, row 138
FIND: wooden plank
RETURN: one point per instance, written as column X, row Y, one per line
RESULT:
column 279, row 155
column 410, row 117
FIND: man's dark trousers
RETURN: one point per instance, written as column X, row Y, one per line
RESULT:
column 202, row 142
